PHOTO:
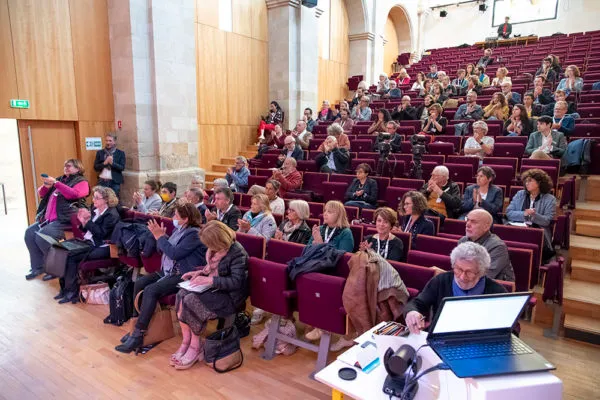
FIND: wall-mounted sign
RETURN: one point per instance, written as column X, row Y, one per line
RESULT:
column 93, row 143
column 16, row 103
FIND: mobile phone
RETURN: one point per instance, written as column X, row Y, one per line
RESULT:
column 44, row 175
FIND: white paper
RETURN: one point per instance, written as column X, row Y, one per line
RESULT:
column 196, row 289
column 518, row 224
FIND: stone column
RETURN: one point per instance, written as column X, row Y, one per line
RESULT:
column 361, row 59
column 293, row 57
column 153, row 54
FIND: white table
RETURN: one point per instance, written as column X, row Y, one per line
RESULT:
column 439, row 384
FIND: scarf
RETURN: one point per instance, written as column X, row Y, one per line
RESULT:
column 254, row 220
column 111, row 151
column 212, row 262
column 289, row 228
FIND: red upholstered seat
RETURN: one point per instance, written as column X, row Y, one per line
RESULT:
column 320, row 301
column 254, row 245
column 270, row 287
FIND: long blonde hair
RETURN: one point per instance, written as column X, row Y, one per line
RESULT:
column 338, row 209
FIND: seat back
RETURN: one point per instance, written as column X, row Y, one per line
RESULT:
column 257, row 180
column 509, row 150
column 361, row 145
column 280, row 251
column 441, row 148
column 255, row 246
column 320, row 301
column 460, row 172
column 393, row 196
column 426, row 259
column 466, row 160
column 413, row 276
column 435, row 244
column 412, row 184
column 522, row 263
column 314, row 181
column 270, row 286
column 333, row 190
column 504, row 174
column 454, row 226
column 316, row 209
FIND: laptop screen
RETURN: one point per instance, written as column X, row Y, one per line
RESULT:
column 479, row 313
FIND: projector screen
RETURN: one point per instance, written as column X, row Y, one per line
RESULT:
column 521, row 11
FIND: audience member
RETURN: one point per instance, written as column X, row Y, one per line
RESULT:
column 383, row 86
column 336, row 131
column 560, row 95
column 546, row 70
column 460, row 83
column 276, row 139
column 110, row 163
column 474, row 85
column 533, row 109
column 197, row 182
column 546, row 143
column 97, row 229
column 470, row 70
column 325, row 113
column 469, row 110
column 419, row 84
column 404, row 111
column 501, row 77
column 433, row 72
column 479, row 223
column 294, row 228
column 258, row 221
column 237, row 176
column 535, row 206
column 335, row 114
column 561, row 121
column 443, row 195
column 497, row 109
column 362, row 112
column 427, row 88
column 291, row 149
column 518, row 124
column 556, row 64
column 225, row 210
column 148, row 200
column 384, row 242
column 423, row 110
column 302, row 136
column 182, row 252
column 484, row 80
column 439, row 96
column 541, row 94
column 479, row 145
column 227, row 272
column 273, row 117
column 310, row 122
column 335, row 230
column 168, row 194
column 345, row 122
column 219, row 183
column 470, row 262
column 483, row 194
column 195, row 196
column 486, row 59
column 276, row 203
column 511, row 97
column 436, row 123
column 403, row 78
column 333, row 158
column 383, row 117
column 289, row 177
column 358, row 95
column 412, row 210
column 362, row 192
column 394, row 92
column 505, row 29
column 394, row 138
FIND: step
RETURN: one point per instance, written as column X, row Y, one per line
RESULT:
column 593, row 189
column 222, row 168
column 585, row 271
column 252, row 147
column 583, row 329
column 210, row 176
column 581, row 298
column 584, row 248
column 228, row 160
column 587, row 228
column 588, row 210
column 248, row 154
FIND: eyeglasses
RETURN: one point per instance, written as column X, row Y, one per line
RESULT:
column 468, row 274
column 98, row 198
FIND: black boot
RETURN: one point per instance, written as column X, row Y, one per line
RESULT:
column 133, row 343
column 60, row 295
column 124, row 338
column 70, row 297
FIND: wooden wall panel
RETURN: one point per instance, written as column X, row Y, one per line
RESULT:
column 339, row 44
column 91, row 60
column 86, row 129
column 390, row 50
column 239, row 80
column 241, row 14
column 41, row 32
column 8, row 76
column 207, row 12
column 211, row 76
column 259, row 19
column 333, row 67
column 260, row 79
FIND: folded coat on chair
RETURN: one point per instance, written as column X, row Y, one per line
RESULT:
column 315, row 258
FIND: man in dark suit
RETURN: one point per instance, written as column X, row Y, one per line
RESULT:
column 333, row 158
column 225, row 210
column 505, row 29
column 290, row 149
column 110, row 163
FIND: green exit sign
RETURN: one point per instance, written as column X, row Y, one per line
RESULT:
column 16, row 103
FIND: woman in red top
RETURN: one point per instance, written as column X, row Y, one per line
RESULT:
column 403, row 78
column 59, row 200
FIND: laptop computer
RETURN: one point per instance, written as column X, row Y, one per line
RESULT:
column 69, row 245
column 473, row 336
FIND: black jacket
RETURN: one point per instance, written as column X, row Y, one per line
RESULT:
column 103, row 227
column 369, row 191
column 450, row 197
column 64, row 208
column 525, row 130
column 501, row 30
column 437, row 288
column 231, row 284
column 301, row 235
column 116, row 168
column 314, row 258
column 297, row 154
column 188, row 253
column 545, row 97
column 422, row 226
column 410, row 113
column 341, row 158
column 202, row 208
column 230, row 218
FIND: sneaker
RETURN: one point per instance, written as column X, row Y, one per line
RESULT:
column 315, row 334
column 341, row 344
column 257, row 316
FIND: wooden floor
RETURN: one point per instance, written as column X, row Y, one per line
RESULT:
column 65, row 351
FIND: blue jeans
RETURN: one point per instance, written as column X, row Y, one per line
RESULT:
column 360, row 204
column 38, row 247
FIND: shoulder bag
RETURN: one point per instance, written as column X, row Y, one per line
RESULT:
column 222, row 350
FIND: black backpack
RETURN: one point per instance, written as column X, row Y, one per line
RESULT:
column 120, row 301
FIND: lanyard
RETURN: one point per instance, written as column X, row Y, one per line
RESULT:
column 327, row 237
column 408, row 225
column 384, row 254
column 220, row 214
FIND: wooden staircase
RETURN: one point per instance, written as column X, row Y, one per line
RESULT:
column 219, row 170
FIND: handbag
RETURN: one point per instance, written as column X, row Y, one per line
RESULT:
column 96, row 293
column 56, row 261
column 160, row 327
column 222, row 350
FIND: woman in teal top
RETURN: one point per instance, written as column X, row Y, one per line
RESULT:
column 335, row 230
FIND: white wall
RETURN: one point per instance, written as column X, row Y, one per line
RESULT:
column 466, row 24
column 11, row 173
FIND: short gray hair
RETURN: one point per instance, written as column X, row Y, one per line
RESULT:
column 199, row 193
column 301, row 207
column 335, row 129
column 480, row 124
column 443, row 170
column 471, row 251
column 242, row 159
column 220, row 183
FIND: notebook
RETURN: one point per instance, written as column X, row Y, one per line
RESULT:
column 187, row 285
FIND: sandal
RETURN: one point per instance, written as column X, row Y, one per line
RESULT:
column 176, row 357
column 187, row 364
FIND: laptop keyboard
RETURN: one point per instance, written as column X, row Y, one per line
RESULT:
column 483, row 349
